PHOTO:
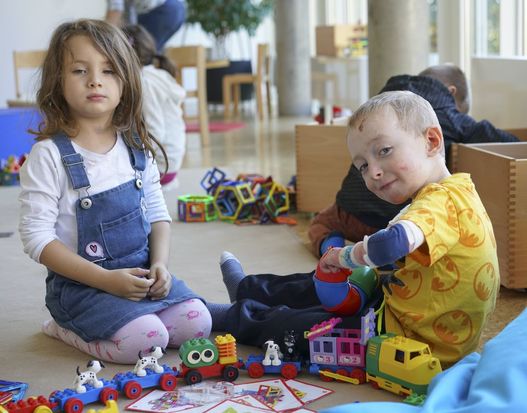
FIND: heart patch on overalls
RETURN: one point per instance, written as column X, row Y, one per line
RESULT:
column 94, row 249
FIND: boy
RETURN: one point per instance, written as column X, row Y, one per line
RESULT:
column 358, row 212
column 450, row 272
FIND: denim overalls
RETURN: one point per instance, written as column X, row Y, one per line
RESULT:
column 113, row 233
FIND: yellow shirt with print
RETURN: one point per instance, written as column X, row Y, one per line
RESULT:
column 452, row 280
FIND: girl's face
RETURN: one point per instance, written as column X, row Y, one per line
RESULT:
column 91, row 87
column 394, row 163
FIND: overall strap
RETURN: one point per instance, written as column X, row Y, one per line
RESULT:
column 137, row 156
column 72, row 161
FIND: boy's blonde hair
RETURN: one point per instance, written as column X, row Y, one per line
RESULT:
column 414, row 113
column 111, row 42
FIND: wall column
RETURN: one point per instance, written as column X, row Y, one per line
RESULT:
column 293, row 62
column 398, row 39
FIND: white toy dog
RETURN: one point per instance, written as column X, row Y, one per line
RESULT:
column 149, row 361
column 272, row 354
column 88, row 377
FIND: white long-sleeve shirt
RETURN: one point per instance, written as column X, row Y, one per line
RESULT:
column 162, row 100
column 47, row 200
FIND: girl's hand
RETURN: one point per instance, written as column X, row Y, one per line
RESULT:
column 330, row 260
column 162, row 281
column 130, row 283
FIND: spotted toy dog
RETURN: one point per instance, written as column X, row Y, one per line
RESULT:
column 88, row 377
column 149, row 361
column 272, row 354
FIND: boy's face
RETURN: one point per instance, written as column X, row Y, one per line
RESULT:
column 394, row 163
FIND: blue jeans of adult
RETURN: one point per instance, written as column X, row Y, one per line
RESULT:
column 164, row 21
column 267, row 305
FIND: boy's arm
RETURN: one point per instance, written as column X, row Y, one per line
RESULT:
column 384, row 247
column 128, row 283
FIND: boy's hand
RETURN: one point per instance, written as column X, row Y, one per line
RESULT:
column 130, row 283
column 330, row 260
column 162, row 281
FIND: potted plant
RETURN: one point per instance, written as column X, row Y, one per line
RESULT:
column 219, row 18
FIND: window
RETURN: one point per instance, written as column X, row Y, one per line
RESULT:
column 499, row 28
column 399, row 356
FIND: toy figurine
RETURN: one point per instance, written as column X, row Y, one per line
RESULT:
column 290, row 350
column 88, row 377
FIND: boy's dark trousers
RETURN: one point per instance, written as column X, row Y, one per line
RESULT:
column 267, row 305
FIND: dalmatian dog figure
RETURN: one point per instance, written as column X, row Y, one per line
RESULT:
column 149, row 361
column 88, row 377
column 272, row 354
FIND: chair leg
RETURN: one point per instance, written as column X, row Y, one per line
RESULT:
column 259, row 100
column 236, row 100
column 268, row 93
column 226, row 98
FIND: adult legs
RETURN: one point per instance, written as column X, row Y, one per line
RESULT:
column 163, row 21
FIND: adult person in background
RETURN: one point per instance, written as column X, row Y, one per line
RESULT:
column 162, row 18
column 357, row 211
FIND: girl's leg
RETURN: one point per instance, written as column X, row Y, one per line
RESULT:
column 189, row 319
column 123, row 347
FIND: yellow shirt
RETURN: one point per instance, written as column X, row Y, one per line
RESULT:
column 451, row 281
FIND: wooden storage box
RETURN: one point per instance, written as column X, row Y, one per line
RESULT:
column 322, row 162
column 336, row 41
column 499, row 171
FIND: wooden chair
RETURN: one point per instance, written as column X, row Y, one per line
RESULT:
column 25, row 60
column 231, row 84
column 193, row 57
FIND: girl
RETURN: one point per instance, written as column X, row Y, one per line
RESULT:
column 91, row 206
column 162, row 100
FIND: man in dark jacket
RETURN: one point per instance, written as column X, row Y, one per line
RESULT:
column 358, row 212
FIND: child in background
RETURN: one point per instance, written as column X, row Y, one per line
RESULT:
column 450, row 268
column 92, row 210
column 162, row 100
column 358, row 212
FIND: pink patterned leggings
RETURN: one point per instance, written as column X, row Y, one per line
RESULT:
column 167, row 328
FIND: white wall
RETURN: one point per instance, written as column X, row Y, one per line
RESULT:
column 499, row 91
column 28, row 24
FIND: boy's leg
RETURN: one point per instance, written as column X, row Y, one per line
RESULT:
column 294, row 290
column 123, row 347
column 186, row 320
column 254, row 323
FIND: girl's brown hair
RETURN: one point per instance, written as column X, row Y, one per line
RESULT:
column 145, row 47
column 112, row 43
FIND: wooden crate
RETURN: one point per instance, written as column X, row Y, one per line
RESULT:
column 322, row 162
column 499, row 171
column 337, row 40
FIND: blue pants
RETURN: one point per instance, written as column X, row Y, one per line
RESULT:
column 268, row 305
column 164, row 21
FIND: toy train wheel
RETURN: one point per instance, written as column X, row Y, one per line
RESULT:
column 358, row 374
column 256, row 370
column 289, row 371
column 132, row 389
column 375, row 385
column 108, row 394
column 325, row 378
column 167, row 382
column 230, row 373
column 73, row 405
column 193, row 377
column 42, row 409
column 341, row 372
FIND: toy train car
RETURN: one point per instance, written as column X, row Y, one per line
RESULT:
column 394, row 363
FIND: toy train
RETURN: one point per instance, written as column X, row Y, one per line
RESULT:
column 394, row 363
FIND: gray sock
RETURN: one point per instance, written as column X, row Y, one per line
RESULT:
column 232, row 273
column 218, row 313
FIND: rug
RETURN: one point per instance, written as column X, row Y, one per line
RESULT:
column 216, row 126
